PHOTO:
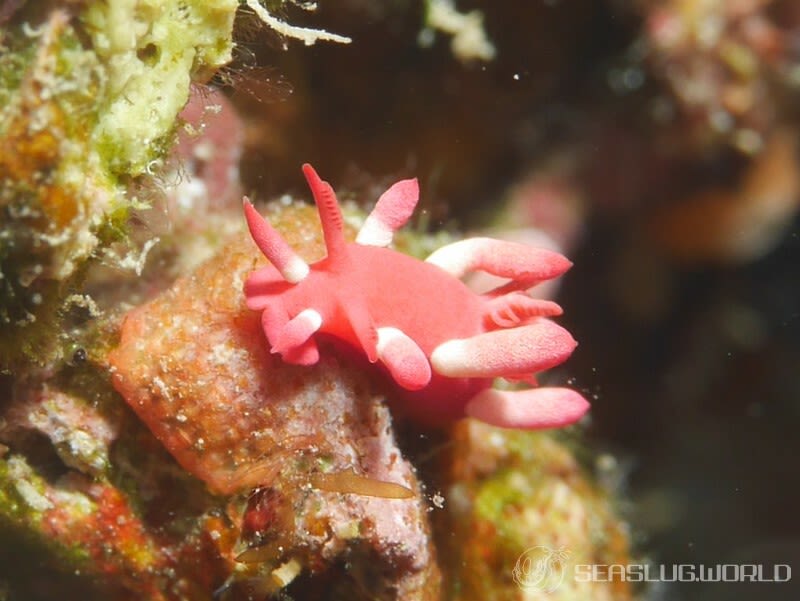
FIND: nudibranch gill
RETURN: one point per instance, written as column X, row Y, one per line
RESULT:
column 441, row 343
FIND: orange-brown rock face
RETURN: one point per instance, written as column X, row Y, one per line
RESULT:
column 195, row 367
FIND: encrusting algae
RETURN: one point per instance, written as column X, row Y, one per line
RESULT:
column 90, row 97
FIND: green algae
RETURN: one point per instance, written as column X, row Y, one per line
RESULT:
column 517, row 491
column 87, row 105
column 151, row 51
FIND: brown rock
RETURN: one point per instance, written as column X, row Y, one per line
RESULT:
column 195, row 366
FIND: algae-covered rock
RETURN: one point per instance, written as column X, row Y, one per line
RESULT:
column 524, row 514
column 89, row 96
column 151, row 50
column 86, row 491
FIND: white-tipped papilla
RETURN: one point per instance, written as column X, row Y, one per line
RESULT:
column 393, row 209
column 295, row 270
column 403, row 358
column 523, row 350
column 532, row 409
column 271, row 243
column 500, row 257
column 297, row 331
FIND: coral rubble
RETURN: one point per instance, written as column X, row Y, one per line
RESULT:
column 516, row 493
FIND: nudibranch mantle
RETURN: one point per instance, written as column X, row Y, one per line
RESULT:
column 442, row 343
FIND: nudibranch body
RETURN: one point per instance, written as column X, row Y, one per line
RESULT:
column 442, row 343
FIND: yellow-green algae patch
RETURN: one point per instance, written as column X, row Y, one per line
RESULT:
column 150, row 51
column 519, row 502
column 89, row 97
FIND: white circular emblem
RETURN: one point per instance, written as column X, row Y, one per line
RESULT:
column 540, row 568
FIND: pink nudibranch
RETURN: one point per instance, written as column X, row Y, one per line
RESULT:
column 441, row 343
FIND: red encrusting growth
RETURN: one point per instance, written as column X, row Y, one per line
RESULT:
column 442, row 343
